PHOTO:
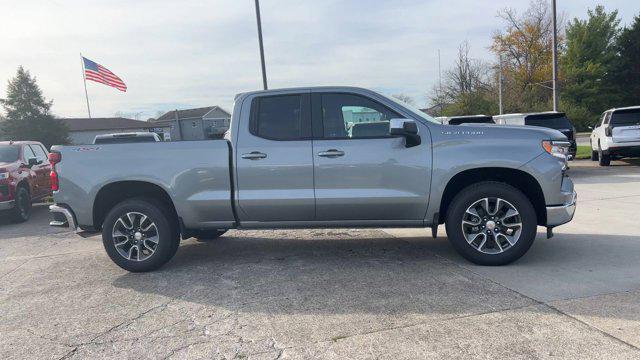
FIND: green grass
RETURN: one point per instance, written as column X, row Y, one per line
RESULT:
column 584, row 152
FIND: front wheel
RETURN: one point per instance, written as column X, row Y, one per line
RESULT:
column 491, row 223
column 140, row 235
column 594, row 154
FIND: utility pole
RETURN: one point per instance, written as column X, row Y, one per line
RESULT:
column 500, row 83
column 264, row 71
column 555, row 58
column 439, row 72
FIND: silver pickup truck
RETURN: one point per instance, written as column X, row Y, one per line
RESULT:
column 320, row 157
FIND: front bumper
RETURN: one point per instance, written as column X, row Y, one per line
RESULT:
column 62, row 217
column 7, row 205
column 562, row 214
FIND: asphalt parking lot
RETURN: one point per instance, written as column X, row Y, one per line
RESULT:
column 394, row 294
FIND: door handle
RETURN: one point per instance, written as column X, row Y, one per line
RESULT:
column 331, row 153
column 254, row 155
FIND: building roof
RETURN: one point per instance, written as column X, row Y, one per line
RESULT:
column 190, row 113
column 115, row 123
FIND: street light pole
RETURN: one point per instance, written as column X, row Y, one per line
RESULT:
column 500, row 84
column 264, row 71
column 555, row 58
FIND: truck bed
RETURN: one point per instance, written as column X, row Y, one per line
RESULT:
column 194, row 174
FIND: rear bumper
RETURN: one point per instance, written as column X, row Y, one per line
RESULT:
column 7, row 205
column 63, row 217
column 620, row 149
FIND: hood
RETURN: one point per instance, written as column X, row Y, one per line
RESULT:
column 6, row 166
column 540, row 133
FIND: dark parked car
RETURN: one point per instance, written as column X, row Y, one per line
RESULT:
column 466, row 119
column 24, row 177
column 550, row 119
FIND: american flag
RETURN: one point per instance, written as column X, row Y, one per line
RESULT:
column 98, row 73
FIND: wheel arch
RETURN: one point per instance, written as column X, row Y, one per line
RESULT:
column 519, row 179
column 113, row 193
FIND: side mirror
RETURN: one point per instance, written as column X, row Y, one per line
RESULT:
column 32, row 162
column 408, row 129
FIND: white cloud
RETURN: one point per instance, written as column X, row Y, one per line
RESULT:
column 195, row 53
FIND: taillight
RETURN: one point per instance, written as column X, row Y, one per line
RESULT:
column 54, row 158
column 54, row 181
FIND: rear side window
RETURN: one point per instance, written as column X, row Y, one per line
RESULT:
column 125, row 139
column 553, row 122
column 280, row 117
column 625, row 118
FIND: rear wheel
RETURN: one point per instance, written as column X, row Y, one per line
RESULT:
column 22, row 210
column 603, row 159
column 491, row 223
column 140, row 234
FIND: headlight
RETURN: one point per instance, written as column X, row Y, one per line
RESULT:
column 559, row 149
column 4, row 175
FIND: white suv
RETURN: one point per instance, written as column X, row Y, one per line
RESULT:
column 616, row 135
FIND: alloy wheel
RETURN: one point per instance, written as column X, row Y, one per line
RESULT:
column 135, row 236
column 492, row 225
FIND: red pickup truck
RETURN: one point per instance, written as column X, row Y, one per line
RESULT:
column 24, row 177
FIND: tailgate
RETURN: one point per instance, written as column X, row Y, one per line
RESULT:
column 625, row 125
column 623, row 134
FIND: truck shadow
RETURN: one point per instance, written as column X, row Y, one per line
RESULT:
column 341, row 272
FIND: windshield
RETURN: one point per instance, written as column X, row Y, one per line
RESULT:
column 553, row 122
column 124, row 140
column 9, row 153
column 625, row 118
column 414, row 110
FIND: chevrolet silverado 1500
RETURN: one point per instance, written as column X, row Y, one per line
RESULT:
column 320, row 157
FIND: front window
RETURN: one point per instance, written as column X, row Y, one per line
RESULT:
column 354, row 116
column 9, row 153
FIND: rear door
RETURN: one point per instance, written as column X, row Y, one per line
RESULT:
column 625, row 125
column 361, row 171
column 43, row 169
column 274, row 159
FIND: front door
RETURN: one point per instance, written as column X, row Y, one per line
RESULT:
column 361, row 171
column 274, row 160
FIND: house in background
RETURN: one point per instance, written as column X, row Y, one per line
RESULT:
column 84, row 130
column 195, row 124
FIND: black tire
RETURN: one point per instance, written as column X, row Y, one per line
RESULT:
column 594, row 154
column 603, row 159
column 22, row 209
column 490, row 189
column 209, row 235
column 167, row 231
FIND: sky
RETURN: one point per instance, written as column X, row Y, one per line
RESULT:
column 181, row 54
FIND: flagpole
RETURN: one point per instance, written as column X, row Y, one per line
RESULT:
column 85, row 85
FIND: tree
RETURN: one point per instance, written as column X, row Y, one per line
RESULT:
column 525, row 47
column 404, row 98
column 627, row 66
column 467, row 87
column 27, row 113
column 588, row 64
